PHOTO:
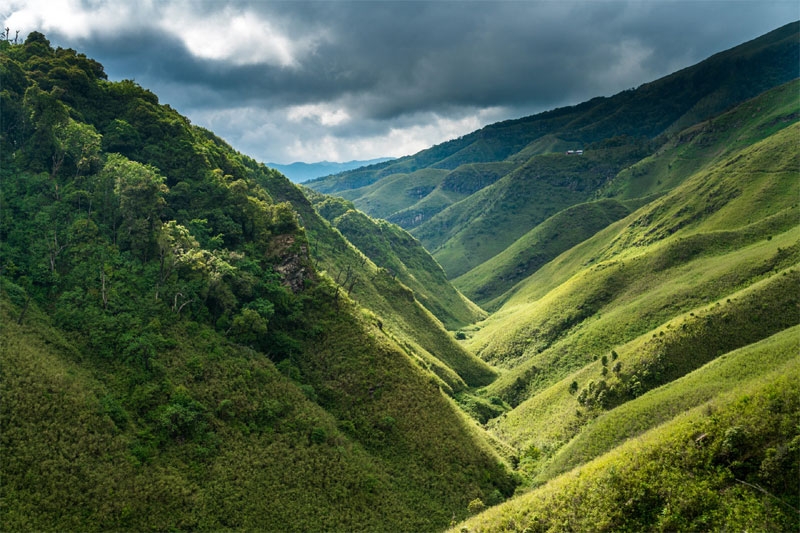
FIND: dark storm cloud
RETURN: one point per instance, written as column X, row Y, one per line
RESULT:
column 389, row 65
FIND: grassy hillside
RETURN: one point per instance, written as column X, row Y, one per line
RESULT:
column 454, row 186
column 667, row 105
column 684, row 154
column 394, row 305
column 173, row 354
column 685, row 303
column 703, row 240
column 527, row 254
column 484, row 224
column 762, row 361
column 391, row 247
column 661, row 355
column 725, row 465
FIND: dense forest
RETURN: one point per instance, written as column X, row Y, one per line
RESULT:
column 174, row 357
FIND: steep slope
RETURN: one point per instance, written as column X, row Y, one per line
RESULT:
column 702, row 240
column 690, row 299
column 479, row 227
column 547, row 240
column 684, row 154
column 391, row 247
column 397, row 310
column 666, row 105
column 727, row 464
column 173, row 358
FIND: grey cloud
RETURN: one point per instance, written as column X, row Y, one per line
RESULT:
column 396, row 64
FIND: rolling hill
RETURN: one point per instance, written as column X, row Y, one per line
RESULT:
column 416, row 191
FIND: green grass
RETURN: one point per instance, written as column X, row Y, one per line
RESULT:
column 395, row 192
column 391, row 247
column 712, row 140
column 456, row 185
column 665, row 353
column 752, row 195
column 472, row 231
column 393, row 303
column 765, row 360
column 263, row 451
column 559, row 233
column 544, row 145
column 728, row 464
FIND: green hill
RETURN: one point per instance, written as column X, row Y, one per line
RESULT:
column 484, row 224
column 559, row 233
column 394, row 305
column 174, row 355
column 692, row 298
column 192, row 342
column 727, row 464
column 398, row 189
column 685, row 153
column 391, row 247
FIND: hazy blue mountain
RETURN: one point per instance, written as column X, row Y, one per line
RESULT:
column 299, row 171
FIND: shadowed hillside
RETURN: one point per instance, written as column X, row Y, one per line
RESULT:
column 175, row 356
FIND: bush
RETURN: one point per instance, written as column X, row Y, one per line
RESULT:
column 476, row 506
column 318, row 435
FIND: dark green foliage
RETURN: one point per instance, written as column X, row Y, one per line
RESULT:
column 149, row 284
column 392, row 248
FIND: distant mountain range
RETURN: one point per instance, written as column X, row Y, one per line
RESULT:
column 299, row 172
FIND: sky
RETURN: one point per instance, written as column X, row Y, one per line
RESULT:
column 337, row 81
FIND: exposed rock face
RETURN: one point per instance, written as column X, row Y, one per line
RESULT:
column 294, row 266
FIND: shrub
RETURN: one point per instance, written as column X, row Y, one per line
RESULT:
column 318, row 435
column 476, row 506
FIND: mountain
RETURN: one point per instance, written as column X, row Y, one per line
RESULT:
column 639, row 359
column 392, row 248
column 682, row 154
column 436, row 193
column 192, row 341
column 177, row 352
column 299, row 172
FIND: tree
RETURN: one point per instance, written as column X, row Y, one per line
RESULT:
column 140, row 189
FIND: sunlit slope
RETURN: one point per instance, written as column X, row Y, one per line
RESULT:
column 709, row 237
column 454, row 186
column 547, row 240
column 684, row 154
column 762, row 361
column 396, row 192
column 221, row 439
column 688, row 151
column 391, row 247
column 728, row 464
column 393, row 303
column 554, row 414
column 484, row 224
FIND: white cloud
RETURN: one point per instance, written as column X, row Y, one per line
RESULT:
column 271, row 136
column 69, row 17
column 324, row 114
column 237, row 35
column 234, row 34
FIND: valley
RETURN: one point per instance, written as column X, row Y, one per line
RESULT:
column 496, row 333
